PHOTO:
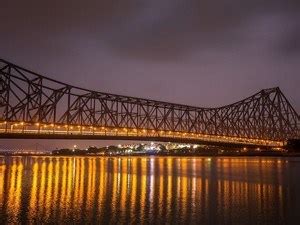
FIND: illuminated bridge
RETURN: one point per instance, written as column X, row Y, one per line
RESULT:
column 34, row 106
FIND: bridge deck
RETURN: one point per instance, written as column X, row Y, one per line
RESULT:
column 51, row 131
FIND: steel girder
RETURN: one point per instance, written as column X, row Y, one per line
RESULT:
column 30, row 97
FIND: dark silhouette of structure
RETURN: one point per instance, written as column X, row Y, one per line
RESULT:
column 34, row 106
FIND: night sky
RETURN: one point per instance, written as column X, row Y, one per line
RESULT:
column 203, row 53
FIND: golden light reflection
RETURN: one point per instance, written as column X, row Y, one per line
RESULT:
column 101, row 189
column 63, row 180
column 15, row 174
column 69, row 187
column 124, row 187
column 33, row 192
column 56, row 183
column 49, row 189
column 41, row 190
column 60, row 188
column 2, row 173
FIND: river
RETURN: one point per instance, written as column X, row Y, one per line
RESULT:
column 149, row 190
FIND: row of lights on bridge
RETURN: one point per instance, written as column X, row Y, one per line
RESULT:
column 95, row 128
column 134, row 130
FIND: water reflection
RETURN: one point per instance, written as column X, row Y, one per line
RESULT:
column 145, row 190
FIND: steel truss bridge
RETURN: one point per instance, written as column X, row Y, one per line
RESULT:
column 34, row 106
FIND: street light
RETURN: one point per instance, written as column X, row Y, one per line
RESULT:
column 74, row 147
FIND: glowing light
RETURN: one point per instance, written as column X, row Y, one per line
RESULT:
column 37, row 124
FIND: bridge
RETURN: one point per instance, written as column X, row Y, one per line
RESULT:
column 35, row 106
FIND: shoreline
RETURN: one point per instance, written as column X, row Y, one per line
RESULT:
column 158, row 155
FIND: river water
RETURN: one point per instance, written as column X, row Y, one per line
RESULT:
column 149, row 190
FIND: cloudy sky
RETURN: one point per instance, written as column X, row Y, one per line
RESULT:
column 197, row 52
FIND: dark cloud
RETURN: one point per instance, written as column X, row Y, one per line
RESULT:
column 162, row 29
column 157, row 29
column 289, row 42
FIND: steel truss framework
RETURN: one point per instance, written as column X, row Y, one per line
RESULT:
column 28, row 97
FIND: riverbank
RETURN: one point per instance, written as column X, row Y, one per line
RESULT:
column 166, row 155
